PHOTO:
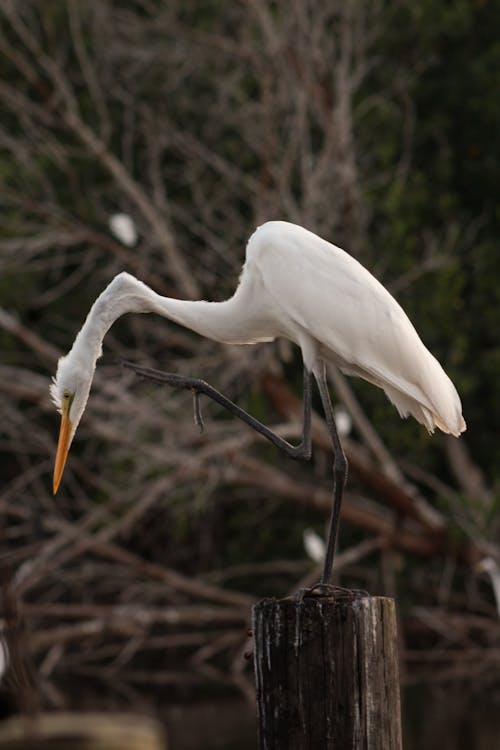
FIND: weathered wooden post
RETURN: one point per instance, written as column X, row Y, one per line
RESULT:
column 327, row 673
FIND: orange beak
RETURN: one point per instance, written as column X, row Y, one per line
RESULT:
column 62, row 448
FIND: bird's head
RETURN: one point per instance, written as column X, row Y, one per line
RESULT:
column 69, row 392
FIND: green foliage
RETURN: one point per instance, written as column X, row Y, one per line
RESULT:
column 438, row 78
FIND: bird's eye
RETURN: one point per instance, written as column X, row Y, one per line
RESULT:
column 67, row 396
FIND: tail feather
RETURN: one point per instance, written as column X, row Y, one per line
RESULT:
column 453, row 423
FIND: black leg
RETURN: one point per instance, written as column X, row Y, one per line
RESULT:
column 339, row 475
column 197, row 386
column 302, row 451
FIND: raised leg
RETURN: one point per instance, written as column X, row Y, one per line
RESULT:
column 197, row 386
column 339, row 474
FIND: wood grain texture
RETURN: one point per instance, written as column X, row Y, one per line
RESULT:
column 327, row 674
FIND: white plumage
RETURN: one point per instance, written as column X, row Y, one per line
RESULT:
column 293, row 284
column 314, row 546
column 490, row 566
column 124, row 229
column 342, row 420
column 334, row 308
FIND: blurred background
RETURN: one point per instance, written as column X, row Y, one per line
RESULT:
column 153, row 137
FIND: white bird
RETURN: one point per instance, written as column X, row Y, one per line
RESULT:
column 314, row 545
column 295, row 285
column 124, row 229
column 343, row 420
column 490, row 566
column 4, row 655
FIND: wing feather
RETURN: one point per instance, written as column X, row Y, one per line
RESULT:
column 326, row 293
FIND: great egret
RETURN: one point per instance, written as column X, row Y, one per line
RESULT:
column 314, row 546
column 490, row 566
column 297, row 285
column 124, row 229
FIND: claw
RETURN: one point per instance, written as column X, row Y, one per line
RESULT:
column 198, row 419
column 329, row 590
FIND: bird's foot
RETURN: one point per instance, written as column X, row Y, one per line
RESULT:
column 198, row 419
column 328, row 590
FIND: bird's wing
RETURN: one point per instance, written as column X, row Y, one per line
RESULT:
column 327, row 294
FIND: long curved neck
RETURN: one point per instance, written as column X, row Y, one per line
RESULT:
column 125, row 294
